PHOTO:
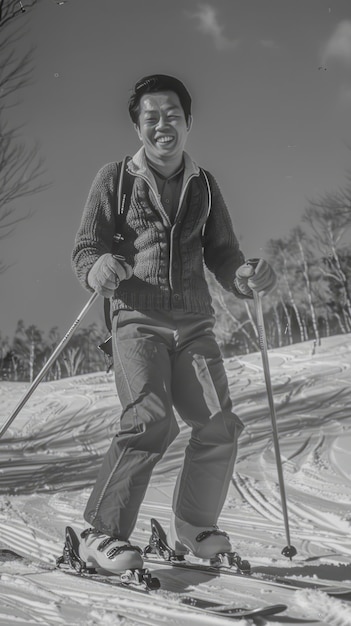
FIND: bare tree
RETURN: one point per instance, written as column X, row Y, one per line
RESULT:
column 283, row 259
column 10, row 8
column 73, row 358
column 21, row 168
column 298, row 239
column 28, row 346
column 278, row 326
column 288, row 326
column 330, row 221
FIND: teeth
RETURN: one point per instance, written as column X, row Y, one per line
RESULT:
column 164, row 139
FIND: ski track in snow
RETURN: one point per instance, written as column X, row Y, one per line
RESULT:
column 50, row 456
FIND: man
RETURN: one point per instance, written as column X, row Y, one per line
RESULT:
column 164, row 350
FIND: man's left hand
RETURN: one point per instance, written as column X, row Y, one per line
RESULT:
column 255, row 275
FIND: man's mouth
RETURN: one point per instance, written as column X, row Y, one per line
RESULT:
column 165, row 139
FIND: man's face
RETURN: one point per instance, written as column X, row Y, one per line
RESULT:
column 162, row 127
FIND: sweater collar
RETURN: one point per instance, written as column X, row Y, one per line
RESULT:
column 138, row 165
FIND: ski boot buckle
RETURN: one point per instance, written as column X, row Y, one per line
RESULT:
column 231, row 559
column 140, row 577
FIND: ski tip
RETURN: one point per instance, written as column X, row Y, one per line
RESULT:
column 272, row 609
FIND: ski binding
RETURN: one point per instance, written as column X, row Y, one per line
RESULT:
column 158, row 545
column 70, row 557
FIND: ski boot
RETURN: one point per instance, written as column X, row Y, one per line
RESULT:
column 101, row 552
column 218, row 552
column 202, row 542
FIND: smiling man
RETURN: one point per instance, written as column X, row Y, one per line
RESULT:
column 164, row 349
column 163, row 130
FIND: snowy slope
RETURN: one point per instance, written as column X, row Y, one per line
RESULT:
column 50, row 456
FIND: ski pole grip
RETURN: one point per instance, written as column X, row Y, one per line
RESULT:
column 253, row 262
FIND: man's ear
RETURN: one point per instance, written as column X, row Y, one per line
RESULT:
column 138, row 131
column 189, row 123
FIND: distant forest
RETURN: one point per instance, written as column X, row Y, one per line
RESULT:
column 313, row 294
column 312, row 300
column 313, row 263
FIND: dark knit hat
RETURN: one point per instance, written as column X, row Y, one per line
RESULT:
column 154, row 83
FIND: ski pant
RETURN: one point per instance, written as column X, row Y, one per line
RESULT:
column 166, row 359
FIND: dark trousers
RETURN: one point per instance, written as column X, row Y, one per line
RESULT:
column 166, row 359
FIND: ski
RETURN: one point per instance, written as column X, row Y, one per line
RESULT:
column 185, row 601
column 158, row 551
column 68, row 566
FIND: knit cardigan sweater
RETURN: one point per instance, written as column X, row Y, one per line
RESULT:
column 167, row 259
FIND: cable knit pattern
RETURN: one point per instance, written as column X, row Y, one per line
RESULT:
column 167, row 260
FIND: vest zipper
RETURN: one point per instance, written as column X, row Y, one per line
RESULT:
column 163, row 212
column 172, row 229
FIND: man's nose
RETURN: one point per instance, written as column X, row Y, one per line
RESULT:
column 162, row 122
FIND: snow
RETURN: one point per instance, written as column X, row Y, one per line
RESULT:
column 50, row 456
column 319, row 606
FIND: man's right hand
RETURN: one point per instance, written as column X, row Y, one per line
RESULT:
column 106, row 274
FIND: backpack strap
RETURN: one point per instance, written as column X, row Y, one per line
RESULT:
column 204, row 178
column 124, row 192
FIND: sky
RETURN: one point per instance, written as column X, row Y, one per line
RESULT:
column 271, row 88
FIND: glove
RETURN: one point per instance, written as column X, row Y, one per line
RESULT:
column 107, row 273
column 255, row 274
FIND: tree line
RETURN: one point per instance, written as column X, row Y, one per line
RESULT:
column 312, row 298
column 22, row 358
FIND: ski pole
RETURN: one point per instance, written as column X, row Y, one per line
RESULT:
column 289, row 550
column 49, row 363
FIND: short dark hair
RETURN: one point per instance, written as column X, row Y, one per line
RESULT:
column 154, row 83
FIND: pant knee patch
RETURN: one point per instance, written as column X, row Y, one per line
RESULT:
column 207, row 383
